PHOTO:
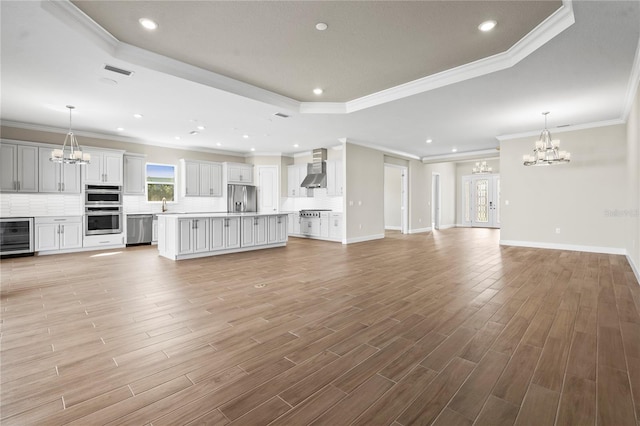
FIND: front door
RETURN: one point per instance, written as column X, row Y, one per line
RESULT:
column 481, row 200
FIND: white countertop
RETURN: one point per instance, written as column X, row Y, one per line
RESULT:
column 216, row 214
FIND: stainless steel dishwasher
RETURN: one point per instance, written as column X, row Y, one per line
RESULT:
column 139, row 229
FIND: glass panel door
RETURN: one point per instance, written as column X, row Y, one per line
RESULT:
column 481, row 201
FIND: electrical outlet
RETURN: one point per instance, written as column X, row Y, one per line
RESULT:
column 360, row 226
column 557, row 230
column 350, row 203
column 506, row 202
column 359, row 203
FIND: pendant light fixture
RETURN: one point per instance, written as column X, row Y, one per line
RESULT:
column 70, row 152
column 547, row 150
column 481, row 168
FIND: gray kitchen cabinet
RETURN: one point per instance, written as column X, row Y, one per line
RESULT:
column 18, row 168
column 134, row 174
column 239, row 173
column 225, row 233
column 193, row 235
column 295, row 175
column 201, row 178
column 254, row 231
column 58, row 233
column 105, row 167
column 334, row 178
column 57, row 177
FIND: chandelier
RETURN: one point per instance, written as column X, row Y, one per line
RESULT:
column 481, row 168
column 70, row 153
column 547, row 150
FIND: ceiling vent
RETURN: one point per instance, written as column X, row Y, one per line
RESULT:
column 281, row 115
column 118, row 70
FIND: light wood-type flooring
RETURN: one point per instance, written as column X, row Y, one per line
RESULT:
column 444, row 328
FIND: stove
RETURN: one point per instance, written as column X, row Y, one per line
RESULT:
column 313, row 213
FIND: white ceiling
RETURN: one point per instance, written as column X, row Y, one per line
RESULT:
column 52, row 56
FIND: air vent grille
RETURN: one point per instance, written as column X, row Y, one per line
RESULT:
column 117, row 70
column 281, row 115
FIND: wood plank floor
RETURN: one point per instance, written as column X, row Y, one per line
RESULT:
column 444, row 328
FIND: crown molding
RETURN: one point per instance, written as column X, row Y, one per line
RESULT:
column 458, row 156
column 560, row 20
column 632, row 86
column 382, row 149
column 584, row 126
column 117, row 138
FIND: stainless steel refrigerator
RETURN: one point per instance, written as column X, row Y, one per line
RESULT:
column 241, row 198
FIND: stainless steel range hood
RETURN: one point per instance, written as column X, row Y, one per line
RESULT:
column 316, row 171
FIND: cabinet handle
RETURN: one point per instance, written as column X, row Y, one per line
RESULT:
column 63, row 186
column 62, row 229
column 18, row 185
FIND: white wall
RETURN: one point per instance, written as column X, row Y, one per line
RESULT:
column 419, row 197
column 579, row 198
column 392, row 197
column 447, row 173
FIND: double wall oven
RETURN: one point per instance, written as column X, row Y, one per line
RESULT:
column 103, row 209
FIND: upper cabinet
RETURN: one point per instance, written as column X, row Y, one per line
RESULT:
column 57, row 177
column 134, row 174
column 239, row 173
column 201, row 178
column 334, row 178
column 295, row 175
column 18, row 168
column 105, row 167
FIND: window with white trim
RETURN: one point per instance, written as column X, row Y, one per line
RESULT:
column 161, row 182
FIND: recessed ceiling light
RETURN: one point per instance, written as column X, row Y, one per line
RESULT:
column 454, row 150
column 120, row 129
column 147, row 23
column 200, row 127
column 321, row 26
column 429, row 140
column 295, row 145
column 317, row 91
column 253, row 149
column 177, row 138
column 193, row 132
column 138, row 115
column 245, row 136
column 487, row 25
column 108, row 81
column 218, row 144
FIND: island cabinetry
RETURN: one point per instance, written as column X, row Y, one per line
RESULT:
column 193, row 235
column 185, row 236
column 225, row 233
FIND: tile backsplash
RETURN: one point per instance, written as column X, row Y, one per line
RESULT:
column 33, row 205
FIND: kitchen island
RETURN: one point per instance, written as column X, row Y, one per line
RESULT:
column 191, row 235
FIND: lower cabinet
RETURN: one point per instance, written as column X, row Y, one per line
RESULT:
column 277, row 229
column 254, row 231
column 335, row 226
column 194, row 235
column 58, row 233
column 225, row 233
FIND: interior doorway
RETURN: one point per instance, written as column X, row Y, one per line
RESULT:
column 396, row 198
column 481, row 200
column 436, row 201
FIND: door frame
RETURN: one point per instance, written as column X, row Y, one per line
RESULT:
column 493, row 212
column 436, row 200
column 404, row 196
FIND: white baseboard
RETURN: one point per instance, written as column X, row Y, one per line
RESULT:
column 419, row 230
column 634, row 268
column 569, row 247
column 451, row 225
column 363, row 239
column 393, row 228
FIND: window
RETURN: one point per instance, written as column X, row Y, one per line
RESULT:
column 161, row 181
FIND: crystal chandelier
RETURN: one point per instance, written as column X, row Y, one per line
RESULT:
column 481, row 168
column 70, row 153
column 547, row 150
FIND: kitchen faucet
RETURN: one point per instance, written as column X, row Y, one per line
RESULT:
column 164, row 204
